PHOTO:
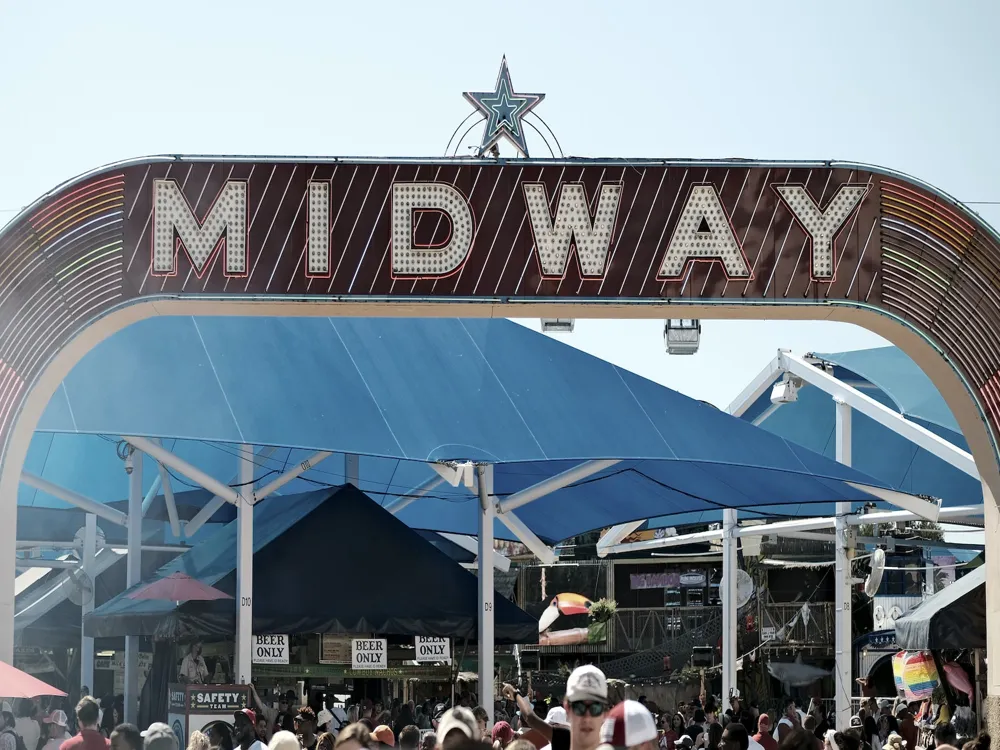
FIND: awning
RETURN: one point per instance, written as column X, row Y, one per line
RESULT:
column 329, row 561
column 955, row 617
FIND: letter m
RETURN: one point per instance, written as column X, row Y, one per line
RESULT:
column 176, row 228
column 573, row 227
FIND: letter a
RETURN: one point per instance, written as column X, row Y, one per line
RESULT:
column 409, row 259
column 555, row 240
column 822, row 226
column 703, row 232
column 225, row 224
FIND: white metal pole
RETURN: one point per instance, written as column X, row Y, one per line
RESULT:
column 842, row 580
column 728, row 595
column 133, row 576
column 244, row 566
column 485, row 562
column 90, row 569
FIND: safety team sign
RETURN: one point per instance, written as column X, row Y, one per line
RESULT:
column 369, row 653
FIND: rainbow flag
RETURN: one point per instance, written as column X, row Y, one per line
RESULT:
column 915, row 674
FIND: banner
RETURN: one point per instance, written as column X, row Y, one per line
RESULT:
column 369, row 653
column 270, row 649
column 432, row 649
column 654, row 580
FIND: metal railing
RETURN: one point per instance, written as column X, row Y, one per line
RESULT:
column 818, row 630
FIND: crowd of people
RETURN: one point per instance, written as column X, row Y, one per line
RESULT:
column 586, row 719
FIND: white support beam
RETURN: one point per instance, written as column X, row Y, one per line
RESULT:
column 278, row 482
column 151, row 493
column 557, row 482
column 727, row 592
column 920, row 436
column 168, row 500
column 892, row 516
column 244, row 566
column 133, row 576
column 843, row 653
column 760, row 385
column 397, row 504
column 545, row 554
column 784, row 528
column 762, row 417
column 75, row 498
column 486, row 593
column 90, row 570
column 35, row 562
column 181, row 466
column 929, row 510
column 615, row 535
column 212, row 506
column 471, row 544
column 352, row 468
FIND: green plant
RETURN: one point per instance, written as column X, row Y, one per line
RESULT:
column 603, row 610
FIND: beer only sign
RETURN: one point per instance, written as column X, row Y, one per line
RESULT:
column 523, row 229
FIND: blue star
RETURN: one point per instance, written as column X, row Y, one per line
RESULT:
column 504, row 111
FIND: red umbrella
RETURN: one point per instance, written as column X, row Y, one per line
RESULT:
column 17, row 684
column 178, row 587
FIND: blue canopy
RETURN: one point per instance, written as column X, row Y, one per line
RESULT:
column 890, row 377
column 402, row 392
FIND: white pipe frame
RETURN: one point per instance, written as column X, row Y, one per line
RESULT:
column 181, row 466
column 920, row 436
column 75, row 498
column 212, row 506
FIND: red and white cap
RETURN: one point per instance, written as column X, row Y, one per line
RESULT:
column 629, row 724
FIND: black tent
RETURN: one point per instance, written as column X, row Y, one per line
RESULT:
column 331, row 561
column 955, row 617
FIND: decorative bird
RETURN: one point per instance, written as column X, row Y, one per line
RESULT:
column 563, row 604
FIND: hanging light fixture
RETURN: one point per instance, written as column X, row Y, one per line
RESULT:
column 681, row 336
column 558, row 325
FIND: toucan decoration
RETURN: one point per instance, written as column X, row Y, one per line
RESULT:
column 563, row 604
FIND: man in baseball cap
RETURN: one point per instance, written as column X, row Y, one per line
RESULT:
column 629, row 726
column 246, row 730
column 159, row 736
column 586, row 705
column 458, row 725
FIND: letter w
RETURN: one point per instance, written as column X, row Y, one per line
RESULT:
column 573, row 227
column 225, row 225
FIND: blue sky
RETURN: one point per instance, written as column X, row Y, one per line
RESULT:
column 907, row 84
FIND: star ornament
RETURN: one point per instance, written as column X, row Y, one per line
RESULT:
column 504, row 111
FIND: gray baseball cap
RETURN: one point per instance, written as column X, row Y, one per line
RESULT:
column 159, row 736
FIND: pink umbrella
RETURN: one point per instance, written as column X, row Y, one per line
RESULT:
column 17, row 684
column 178, row 587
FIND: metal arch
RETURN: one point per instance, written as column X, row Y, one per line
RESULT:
column 558, row 145
column 544, row 139
column 468, row 130
column 471, row 114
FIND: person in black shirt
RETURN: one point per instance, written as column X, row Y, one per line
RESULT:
column 305, row 728
column 697, row 725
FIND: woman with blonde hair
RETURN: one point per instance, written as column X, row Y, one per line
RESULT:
column 198, row 741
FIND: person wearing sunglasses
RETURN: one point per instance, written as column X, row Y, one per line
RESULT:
column 586, row 705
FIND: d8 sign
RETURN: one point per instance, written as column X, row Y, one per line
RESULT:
column 369, row 653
